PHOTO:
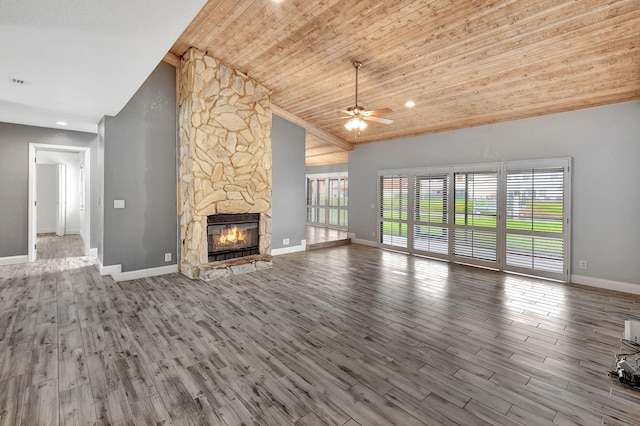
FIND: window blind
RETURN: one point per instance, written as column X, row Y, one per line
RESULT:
column 475, row 215
column 430, row 230
column 394, row 206
column 535, row 219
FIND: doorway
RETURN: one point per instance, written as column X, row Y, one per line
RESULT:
column 59, row 216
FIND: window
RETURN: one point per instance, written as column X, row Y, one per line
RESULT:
column 322, row 200
column 394, row 205
column 327, row 200
column 431, row 231
column 535, row 220
column 312, row 200
column 334, row 201
column 475, row 213
column 511, row 216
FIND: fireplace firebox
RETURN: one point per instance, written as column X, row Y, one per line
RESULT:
column 230, row 236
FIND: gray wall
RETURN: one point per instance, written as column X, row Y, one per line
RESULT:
column 604, row 143
column 330, row 168
column 14, row 180
column 288, row 181
column 140, row 168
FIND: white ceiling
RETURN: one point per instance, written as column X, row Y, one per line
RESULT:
column 82, row 59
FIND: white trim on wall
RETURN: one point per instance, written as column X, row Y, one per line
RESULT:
column 606, row 284
column 116, row 272
column 364, row 242
column 12, row 260
column 109, row 269
column 292, row 249
column 144, row 273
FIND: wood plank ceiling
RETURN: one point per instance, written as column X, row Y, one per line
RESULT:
column 464, row 63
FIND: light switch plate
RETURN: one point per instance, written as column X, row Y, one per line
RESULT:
column 118, row 204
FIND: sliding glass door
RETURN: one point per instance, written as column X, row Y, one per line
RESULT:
column 511, row 216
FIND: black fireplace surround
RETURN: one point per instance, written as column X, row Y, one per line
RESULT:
column 230, row 236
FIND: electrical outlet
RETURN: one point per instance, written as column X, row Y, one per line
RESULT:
column 583, row 264
column 167, row 257
column 285, row 242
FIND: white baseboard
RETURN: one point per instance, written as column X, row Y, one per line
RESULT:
column 144, row 273
column 93, row 253
column 364, row 242
column 116, row 272
column 12, row 260
column 109, row 269
column 293, row 249
column 606, row 284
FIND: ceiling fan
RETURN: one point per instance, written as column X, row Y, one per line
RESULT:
column 357, row 115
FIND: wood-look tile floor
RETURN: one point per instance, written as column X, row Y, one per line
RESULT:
column 349, row 335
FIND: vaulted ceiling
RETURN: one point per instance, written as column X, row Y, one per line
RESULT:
column 464, row 63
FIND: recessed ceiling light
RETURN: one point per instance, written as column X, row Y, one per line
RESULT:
column 409, row 104
column 61, row 123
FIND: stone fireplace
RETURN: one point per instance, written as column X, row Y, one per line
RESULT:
column 225, row 166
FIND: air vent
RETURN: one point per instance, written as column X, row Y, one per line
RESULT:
column 17, row 81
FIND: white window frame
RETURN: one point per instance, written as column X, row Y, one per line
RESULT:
column 413, row 223
column 555, row 163
column 408, row 222
column 476, row 168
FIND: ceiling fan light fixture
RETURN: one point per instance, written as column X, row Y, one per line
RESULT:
column 355, row 123
column 359, row 114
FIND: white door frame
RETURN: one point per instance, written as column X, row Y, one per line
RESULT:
column 86, row 225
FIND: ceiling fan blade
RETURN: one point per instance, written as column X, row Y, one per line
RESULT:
column 377, row 119
column 379, row 111
column 346, row 112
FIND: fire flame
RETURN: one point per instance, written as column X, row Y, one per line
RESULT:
column 232, row 236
